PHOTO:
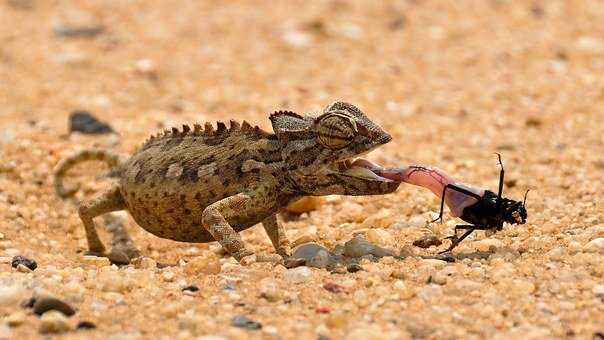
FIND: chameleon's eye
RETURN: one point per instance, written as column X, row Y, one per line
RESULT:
column 336, row 130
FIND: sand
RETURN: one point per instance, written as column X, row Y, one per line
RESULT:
column 453, row 82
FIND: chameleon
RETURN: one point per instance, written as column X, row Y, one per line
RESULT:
column 206, row 183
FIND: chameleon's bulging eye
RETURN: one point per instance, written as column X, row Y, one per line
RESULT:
column 336, row 131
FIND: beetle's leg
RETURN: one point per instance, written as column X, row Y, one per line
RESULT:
column 456, row 241
column 442, row 200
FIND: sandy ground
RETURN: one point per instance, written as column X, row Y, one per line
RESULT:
column 453, row 82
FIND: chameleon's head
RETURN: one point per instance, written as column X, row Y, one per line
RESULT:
column 321, row 151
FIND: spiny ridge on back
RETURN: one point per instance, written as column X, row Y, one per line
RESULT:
column 207, row 130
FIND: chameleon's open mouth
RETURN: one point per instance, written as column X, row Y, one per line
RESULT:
column 362, row 168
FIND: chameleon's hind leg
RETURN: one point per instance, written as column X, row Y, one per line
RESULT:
column 276, row 232
column 110, row 200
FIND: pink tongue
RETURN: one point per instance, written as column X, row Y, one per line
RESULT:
column 393, row 174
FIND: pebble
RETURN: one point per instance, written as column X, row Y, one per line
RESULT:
column 269, row 290
column 54, row 322
column 379, row 236
column 297, row 39
column 68, row 31
column 208, row 264
column 45, row 304
column 23, row 269
column 594, row 246
column 16, row 319
column 84, row 122
column 110, row 281
column 358, row 246
column 26, row 262
column 556, row 254
column 242, row 321
column 314, row 255
column 598, row 290
column 298, row 275
column 85, row 325
column 488, row 244
column 96, row 261
column 427, row 241
column 441, row 276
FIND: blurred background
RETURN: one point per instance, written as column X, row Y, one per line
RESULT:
column 452, row 81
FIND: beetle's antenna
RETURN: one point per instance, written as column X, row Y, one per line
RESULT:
column 501, row 174
column 524, row 202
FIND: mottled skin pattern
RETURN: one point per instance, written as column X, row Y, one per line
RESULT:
column 206, row 184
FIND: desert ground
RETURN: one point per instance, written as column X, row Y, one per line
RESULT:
column 453, row 83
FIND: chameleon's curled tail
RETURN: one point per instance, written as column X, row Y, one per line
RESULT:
column 113, row 160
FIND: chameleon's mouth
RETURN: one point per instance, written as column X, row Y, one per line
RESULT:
column 362, row 168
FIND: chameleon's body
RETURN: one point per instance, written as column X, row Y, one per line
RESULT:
column 205, row 184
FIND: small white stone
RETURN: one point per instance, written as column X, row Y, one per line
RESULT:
column 594, row 246
column 598, row 290
column 379, row 236
column 296, row 38
column 442, row 275
column 298, row 275
column 23, row 269
column 54, row 322
column 145, row 66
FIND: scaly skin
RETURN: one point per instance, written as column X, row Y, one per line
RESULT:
column 207, row 184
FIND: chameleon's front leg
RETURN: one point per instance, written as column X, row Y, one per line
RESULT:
column 214, row 219
column 275, row 231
